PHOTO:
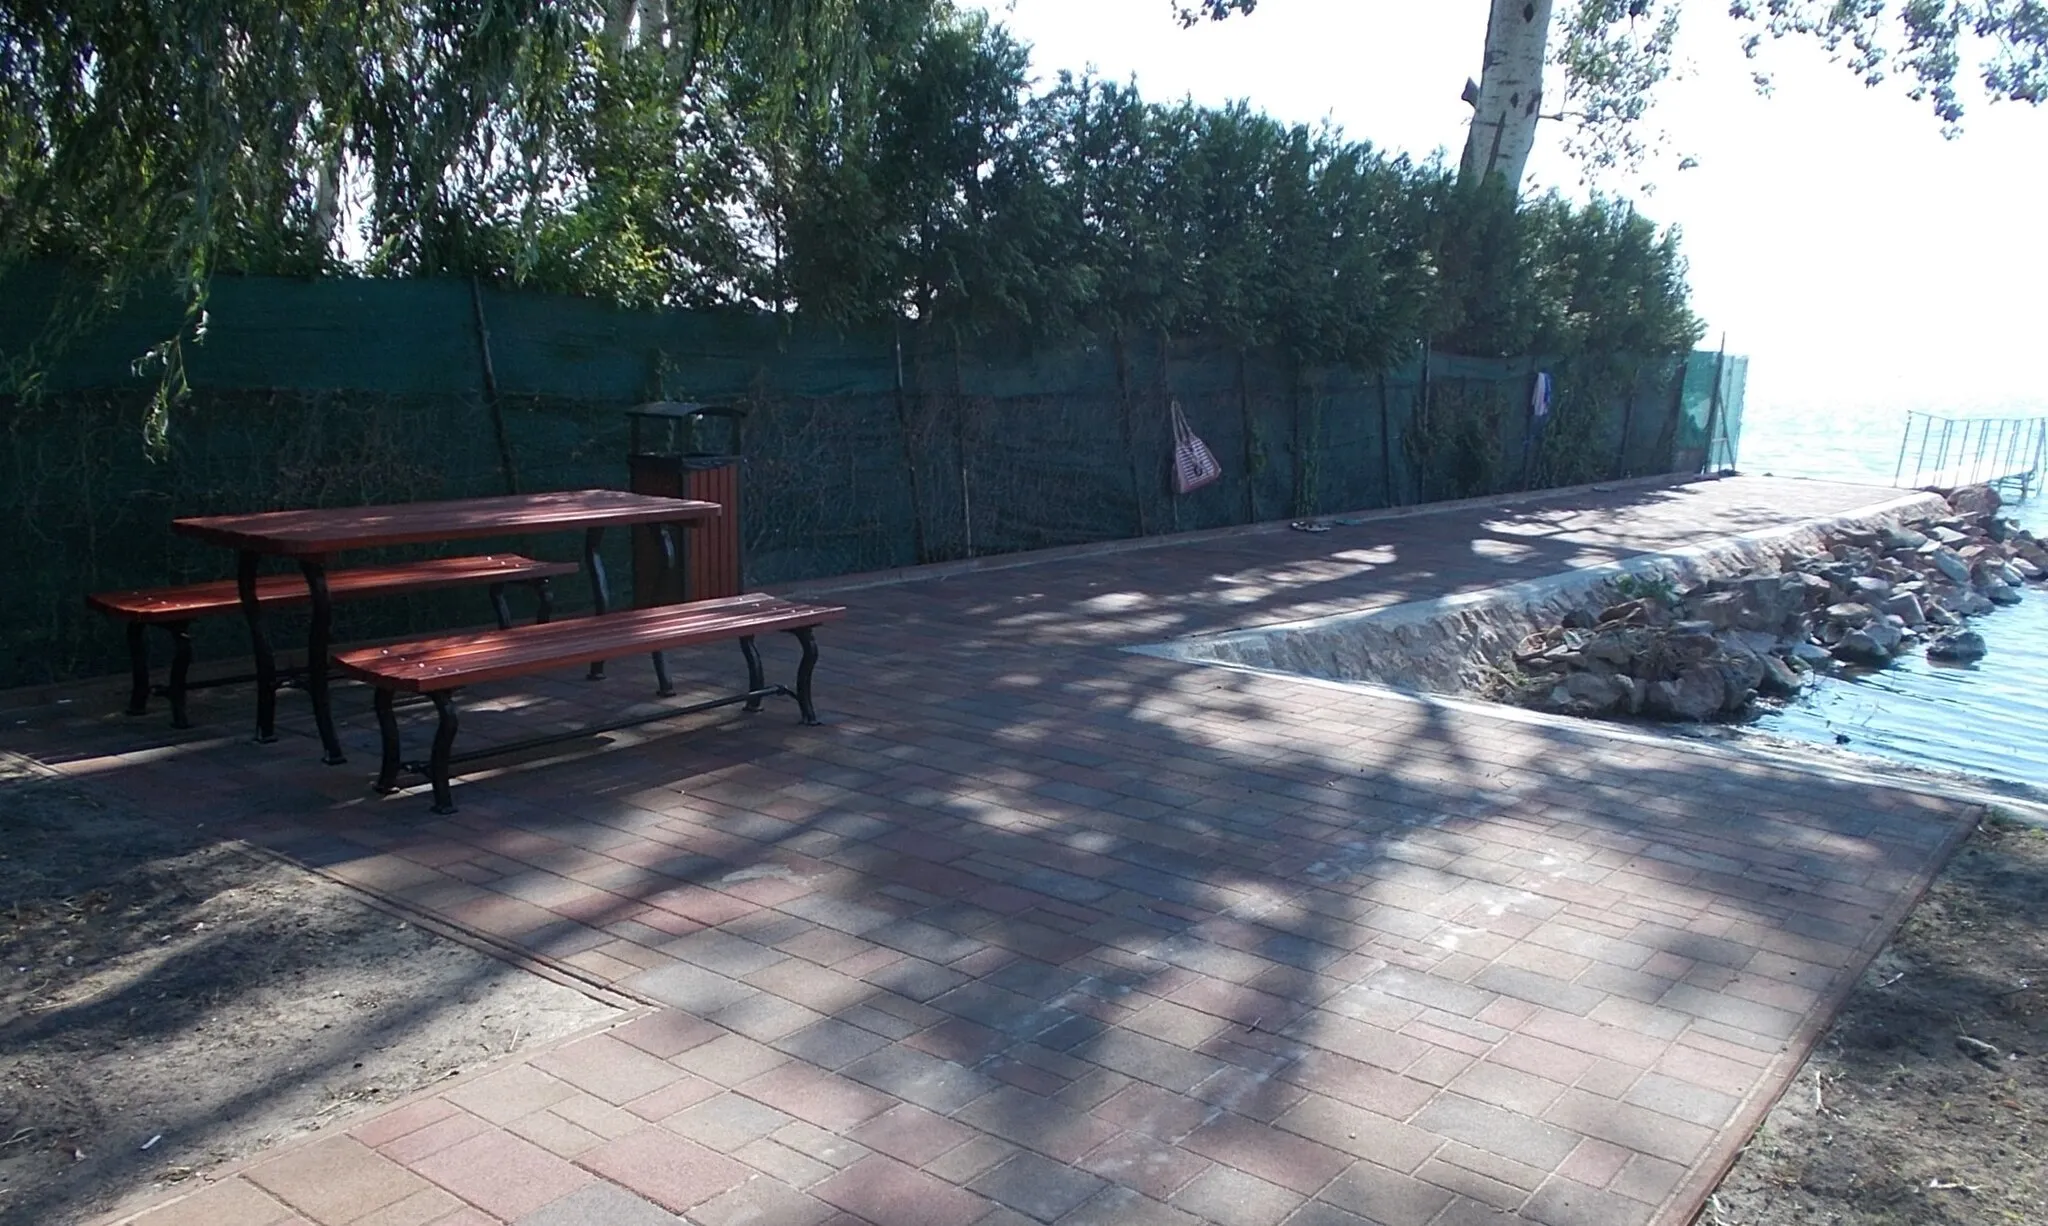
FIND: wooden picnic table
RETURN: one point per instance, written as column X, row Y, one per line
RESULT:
column 309, row 536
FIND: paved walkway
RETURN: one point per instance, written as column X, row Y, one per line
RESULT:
column 1036, row 930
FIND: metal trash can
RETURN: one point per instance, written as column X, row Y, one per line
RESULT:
column 666, row 459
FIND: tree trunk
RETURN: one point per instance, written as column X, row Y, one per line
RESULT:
column 1510, row 93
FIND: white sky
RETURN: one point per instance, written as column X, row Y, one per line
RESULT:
column 1860, row 259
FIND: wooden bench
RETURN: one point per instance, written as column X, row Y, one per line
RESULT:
column 174, row 609
column 437, row 666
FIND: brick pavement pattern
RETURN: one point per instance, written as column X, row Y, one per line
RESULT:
column 1037, row 930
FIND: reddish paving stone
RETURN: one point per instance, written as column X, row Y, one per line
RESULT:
column 335, row 1181
column 502, row 1174
column 817, row 1097
column 882, row 1189
column 672, row 1172
column 229, row 1203
column 1144, row 1163
column 911, row 1134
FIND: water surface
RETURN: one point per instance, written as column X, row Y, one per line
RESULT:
column 1989, row 718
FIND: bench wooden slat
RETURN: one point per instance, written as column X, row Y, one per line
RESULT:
column 430, row 665
column 195, row 600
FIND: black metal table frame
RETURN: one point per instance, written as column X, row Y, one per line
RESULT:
column 313, row 567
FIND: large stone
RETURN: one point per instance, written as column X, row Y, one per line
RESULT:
column 1815, row 590
column 1900, row 536
column 1906, row 607
column 1875, row 643
column 1695, row 694
column 1870, row 588
column 1973, row 604
column 1998, row 591
column 1939, row 616
column 1850, row 614
column 1951, row 564
column 1949, row 536
column 1813, row 655
column 1779, row 679
column 1722, row 610
column 1957, row 646
column 1596, row 692
column 1612, row 646
column 2026, row 568
column 1976, row 500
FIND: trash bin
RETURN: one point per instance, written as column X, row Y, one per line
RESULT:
column 666, row 459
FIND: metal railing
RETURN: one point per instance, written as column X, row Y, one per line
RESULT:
column 2006, row 453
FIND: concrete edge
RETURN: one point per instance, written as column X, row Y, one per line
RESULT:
column 1439, row 642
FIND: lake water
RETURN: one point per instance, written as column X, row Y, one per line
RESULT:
column 1989, row 718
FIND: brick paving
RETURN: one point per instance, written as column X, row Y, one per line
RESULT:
column 1036, row 930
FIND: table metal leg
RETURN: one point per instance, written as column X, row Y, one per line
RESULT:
column 600, row 589
column 138, row 669
column 259, row 646
column 757, row 679
column 181, row 670
column 805, row 667
column 387, row 733
column 315, row 571
column 444, row 745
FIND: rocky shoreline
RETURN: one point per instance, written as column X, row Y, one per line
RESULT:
column 1711, row 651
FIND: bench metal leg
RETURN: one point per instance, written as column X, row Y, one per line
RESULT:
column 663, row 687
column 387, row 731
column 804, row 669
column 600, row 588
column 444, row 745
column 138, row 669
column 259, row 646
column 544, row 598
column 757, row 680
column 181, row 668
column 316, row 659
column 501, row 606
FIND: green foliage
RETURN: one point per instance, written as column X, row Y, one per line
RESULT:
column 855, row 160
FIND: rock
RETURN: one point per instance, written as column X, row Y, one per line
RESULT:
column 1850, row 614
column 1627, row 613
column 1875, row 643
column 1870, row 587
column 1579, row 619
column 2011, row 575
column 1617, row 647
column 1721, row 610
column 2026, row 569
column 1906, row 607
column 1999, row 530
column 2000, row 592
column 1812, row 655
column 1951, row 564
column 1695, row 627
column 1973, row 604
column 1957, row 647
column 1596, row 691
column 1976, row 500
column 1695, row 694
column 1814, row 590
column 1901, row 537
column 1950, row 537
column 1938, row 616
column 1779, row 679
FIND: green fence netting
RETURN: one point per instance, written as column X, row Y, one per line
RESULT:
column 863, row 451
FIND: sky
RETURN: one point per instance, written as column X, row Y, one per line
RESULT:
column 1861, row 260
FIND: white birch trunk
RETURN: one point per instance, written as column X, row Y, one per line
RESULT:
column 1510, row 92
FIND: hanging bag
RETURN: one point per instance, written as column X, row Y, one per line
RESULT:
column 1194, row 465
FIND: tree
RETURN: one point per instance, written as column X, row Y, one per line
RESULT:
column 1613, row 53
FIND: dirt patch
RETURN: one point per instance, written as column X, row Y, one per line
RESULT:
column 168, row 1004
column 1927, row 1102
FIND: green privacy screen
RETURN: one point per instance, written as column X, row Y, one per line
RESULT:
column 863, row 450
